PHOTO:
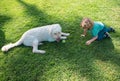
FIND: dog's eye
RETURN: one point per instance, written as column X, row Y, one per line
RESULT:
column 58, row 32
column 55, row 33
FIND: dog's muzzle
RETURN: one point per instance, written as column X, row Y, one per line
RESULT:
column 58, row 39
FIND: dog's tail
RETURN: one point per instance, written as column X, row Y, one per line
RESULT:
column 11, row 45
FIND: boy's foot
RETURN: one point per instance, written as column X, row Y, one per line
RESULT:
column 112, row 29
column 107, row 35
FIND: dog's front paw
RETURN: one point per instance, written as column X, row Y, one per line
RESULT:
column 67, row 34
column 63, row 37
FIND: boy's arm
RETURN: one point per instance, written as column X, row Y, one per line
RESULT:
column 84, row 33
column 91, row 40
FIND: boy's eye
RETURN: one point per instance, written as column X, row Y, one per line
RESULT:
column 85, row 25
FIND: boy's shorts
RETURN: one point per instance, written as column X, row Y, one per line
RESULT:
column 101, row 34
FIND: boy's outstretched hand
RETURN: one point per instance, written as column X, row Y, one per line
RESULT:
column 91, row 40
column 88, row 42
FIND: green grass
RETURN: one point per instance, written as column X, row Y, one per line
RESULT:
column 70, row 61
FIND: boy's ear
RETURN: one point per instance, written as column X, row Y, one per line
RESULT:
column 82, row 21
column 81, row 24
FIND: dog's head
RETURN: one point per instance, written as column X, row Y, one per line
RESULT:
column 55, row 32
column 86, row 23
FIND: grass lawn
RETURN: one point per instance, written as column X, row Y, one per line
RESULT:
column 70, row 61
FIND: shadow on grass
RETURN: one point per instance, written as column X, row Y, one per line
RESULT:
column 106, row 53
column 72, row 56
column 24, row 65
column 40, row 18
column 84, row 60
column 3, row 20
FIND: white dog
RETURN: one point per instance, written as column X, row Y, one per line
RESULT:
column 35, row 36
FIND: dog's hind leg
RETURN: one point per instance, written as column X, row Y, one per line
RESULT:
column 35, row 47
column 11, row 45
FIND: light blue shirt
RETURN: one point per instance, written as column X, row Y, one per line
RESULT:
column 97, row 27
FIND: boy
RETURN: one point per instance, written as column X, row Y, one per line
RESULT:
column 98, row 30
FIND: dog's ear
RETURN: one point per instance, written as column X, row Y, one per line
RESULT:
column 56, row 27
column 50, row 30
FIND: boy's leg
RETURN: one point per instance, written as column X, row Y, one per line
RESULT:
column 107, row 35
column 103, row 34
column 109, row 29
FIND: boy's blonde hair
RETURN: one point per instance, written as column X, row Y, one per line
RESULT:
column 86, row 23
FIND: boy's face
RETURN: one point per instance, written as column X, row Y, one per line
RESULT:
column 86, row 24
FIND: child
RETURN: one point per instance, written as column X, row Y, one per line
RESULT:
column 98, row 30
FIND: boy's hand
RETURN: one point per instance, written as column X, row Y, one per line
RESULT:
column 82, row 35
column 91, row 40
column 88, row 42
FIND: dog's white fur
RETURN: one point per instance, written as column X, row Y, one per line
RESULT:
column 35, row 36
